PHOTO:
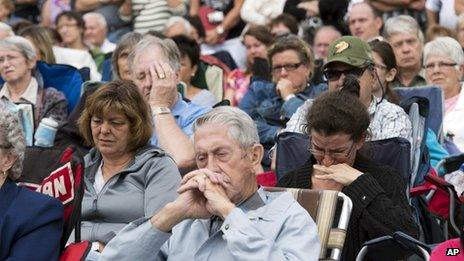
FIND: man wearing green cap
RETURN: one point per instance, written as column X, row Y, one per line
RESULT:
column 350, row 55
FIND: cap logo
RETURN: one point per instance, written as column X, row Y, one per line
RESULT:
column 341, row 46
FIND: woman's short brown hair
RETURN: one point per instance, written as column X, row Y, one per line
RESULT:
column 121, row 97
column 338, row 112
column 295, row 43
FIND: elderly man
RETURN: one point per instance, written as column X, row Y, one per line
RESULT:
column 404, row 35
column 350, row 55
column 323, row 37
column 364, row 21
column 155, row 66
column 220, row 213
column 95, row 33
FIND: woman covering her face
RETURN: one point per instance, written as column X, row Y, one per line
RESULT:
column 337, row 126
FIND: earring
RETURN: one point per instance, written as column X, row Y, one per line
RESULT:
column 193, row 74
column 4, row 174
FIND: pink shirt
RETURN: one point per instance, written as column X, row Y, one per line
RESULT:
column 450, row 103
column 450, row 250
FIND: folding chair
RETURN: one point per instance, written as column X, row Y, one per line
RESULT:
column 331, row 211
column 57, row 173
column 393, row 247
column 442, row 201
column 292, row 152
column 436, row 100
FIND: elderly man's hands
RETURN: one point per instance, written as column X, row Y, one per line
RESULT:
column 163, row 92
column 212, row 186
column 340, row 173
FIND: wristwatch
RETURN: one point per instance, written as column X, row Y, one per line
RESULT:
column 220, row 29
column 159, row 110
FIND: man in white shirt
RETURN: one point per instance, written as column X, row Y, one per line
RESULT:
column 96, row 31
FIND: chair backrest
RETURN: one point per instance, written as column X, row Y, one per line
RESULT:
column 393, row 152
column 57, row 173
column 418, row 110
column 292, row 152
column 107, row 68
column 436, row 100
column 331, row 211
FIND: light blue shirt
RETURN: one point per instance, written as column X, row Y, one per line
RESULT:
column 185, row 114
column 278, row 230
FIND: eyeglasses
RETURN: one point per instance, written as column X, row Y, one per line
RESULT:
column 336, row 155
column 289, row 67
column 334, row 75
column 441, row 65
column 380, row 66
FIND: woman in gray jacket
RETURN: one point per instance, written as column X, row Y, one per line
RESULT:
column 125, row 177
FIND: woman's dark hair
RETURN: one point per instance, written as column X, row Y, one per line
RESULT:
column 72, row 16
column 120, row 97
column 188, row 47
column 289, row 21
column 338, row 112
column 196, row 23
column 385, row 51
column 261, row 33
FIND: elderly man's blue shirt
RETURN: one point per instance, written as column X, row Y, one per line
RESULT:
column 185, row 114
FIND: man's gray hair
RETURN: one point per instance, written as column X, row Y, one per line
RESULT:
column 11, row 135
column 167, row 46
column 19, row 44
column 446, row 47
column 100, row 18
column 241, row 127
column 179, row 19
column 404, row 24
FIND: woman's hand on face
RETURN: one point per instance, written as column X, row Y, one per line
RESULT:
column 341, row 173
column 284, row 88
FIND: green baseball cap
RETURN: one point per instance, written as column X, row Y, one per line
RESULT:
column 350, row 50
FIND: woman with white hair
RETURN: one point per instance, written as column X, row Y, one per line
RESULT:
column 444, row 67
column 17, row 64
column 31, row 223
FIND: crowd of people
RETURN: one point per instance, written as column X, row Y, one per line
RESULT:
column 182, row 103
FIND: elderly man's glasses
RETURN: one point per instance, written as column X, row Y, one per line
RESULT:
column 441, row 65
column 289, row 67
column 334, row 75
column 342, row 155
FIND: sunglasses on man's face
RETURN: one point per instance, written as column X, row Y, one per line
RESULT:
column 334, row 74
